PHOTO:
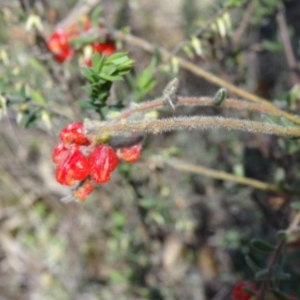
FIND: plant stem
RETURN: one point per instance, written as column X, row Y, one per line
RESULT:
column 93, row 127
column 185, row 167
column 275, row 257
column 264, row 286
column 201, row 101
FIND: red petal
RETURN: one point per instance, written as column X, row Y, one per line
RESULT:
column 103, row 161
column 58, row 152
column 73, row 133
column 107, row 48
column 81, row 193
column 238, row 292
column 130, row 154
column 72, row 166
column 75, row 29
column 58, row 44
column 64, row 55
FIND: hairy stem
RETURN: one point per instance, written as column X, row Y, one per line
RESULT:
column 201, row 101
column 183, row 123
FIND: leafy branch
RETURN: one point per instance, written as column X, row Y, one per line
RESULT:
column 101, row 76
column 185, row 64
column 199, row 101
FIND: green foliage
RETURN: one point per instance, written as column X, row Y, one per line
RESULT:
column 23, row 89
column 95, row 16
column 262, row 246
column 219, row 97
column 265, row 8
column 280, row 295
column 292, row 96
column 272, row 46
column 251, row 264
column 295, row 205
column 116, row 243
column 101, row 75
column 144, row 82
column 79, row 42
column 234, row 3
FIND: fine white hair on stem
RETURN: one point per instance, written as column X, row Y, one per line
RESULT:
column 186, row 123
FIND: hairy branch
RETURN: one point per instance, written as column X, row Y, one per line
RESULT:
column 201, row 101
column 181, row 123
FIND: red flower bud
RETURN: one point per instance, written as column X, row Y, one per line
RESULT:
column 73, row 134
column 130, row 154
column 103, row 161
column 107, row 48
column 72, row 166
column 58, row 151
column 82, row 192
column 59, row 45
column 238, row 292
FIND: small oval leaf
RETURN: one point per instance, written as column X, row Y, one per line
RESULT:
column 262, row 246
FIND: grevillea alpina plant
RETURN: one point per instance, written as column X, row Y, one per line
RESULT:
column 89, row 151
column 84, row 156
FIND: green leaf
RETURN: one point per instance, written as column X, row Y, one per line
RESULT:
column 262, row 274
column 295, row 205
column 45, row 117
column 85, row 105
column 110, row 78
column 280, row 295
column 251, row 264
column 98, row 62
column 249, row 291
column 272, row 46
column 293, row 95
column 262, row 246
column 78, row 42
column 234, row 3
column 287, row 123
column 110, row 70
column 116, row 56
column 30, row 117
column 89, row 74
column 117, row 277
column 37, row 97
column 277, row 273
column 270, row 120
column 281, row 235
column 95, row 15
column 219, row 97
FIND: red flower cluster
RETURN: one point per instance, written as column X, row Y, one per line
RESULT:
column 78, row 161
column 59, row 43
column 239, row 293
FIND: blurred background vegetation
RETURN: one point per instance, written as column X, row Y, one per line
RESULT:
column 152, row 232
